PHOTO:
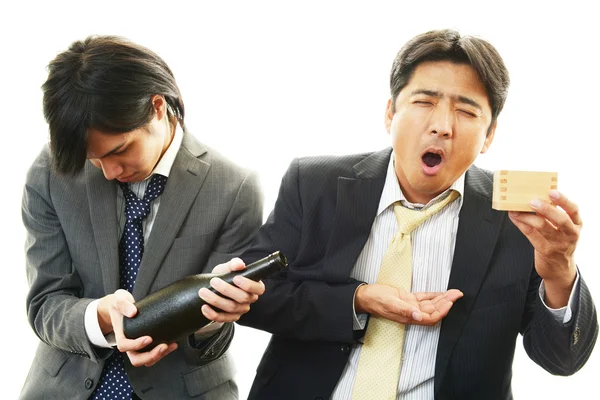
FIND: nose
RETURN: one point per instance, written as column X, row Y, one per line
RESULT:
column 442, row 121
column 110, row 169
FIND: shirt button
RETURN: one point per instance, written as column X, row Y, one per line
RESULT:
column 88, row 383
column 345, row 349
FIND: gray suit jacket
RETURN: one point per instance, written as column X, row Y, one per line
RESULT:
column 209, row 211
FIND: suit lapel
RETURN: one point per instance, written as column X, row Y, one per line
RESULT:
column 102, row 198
column 478, row 229
column 356, row 208
column 185, row 179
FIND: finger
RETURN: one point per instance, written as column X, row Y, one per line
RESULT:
column 249, row 286
column 450, row 295
column 116, row 318
column 403, row 310
column 227, row 305
column 232, row 292
column 441, row 310
column 125, row 306
column 430, row 306
column 125, row 344
column 436, row 309
column 557, row 217
column 235, row 264
column 212, row 315
column 149, row 357
column 453, row 295
column 171, row 348
column 439, row 300
column 570, row 207
column 531, row 220
column 422, row 296
column 123, row 294
column 536, row 238
column 209, row 313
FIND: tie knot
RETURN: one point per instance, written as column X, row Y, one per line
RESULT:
column 138, row 209
column 409, row 220
column 155, row 187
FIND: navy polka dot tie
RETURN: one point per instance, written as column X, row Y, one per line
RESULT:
column 113, row 382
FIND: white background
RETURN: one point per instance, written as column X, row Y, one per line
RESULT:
column 266, row 82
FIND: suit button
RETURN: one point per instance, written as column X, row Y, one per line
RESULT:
column 345, row 349
column 88, row 383
column 318, row 398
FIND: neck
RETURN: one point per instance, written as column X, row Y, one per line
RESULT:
column 412, row 195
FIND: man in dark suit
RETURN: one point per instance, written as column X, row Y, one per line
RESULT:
column 116, row 121
column 338, row 218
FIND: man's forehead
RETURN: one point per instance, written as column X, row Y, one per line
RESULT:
column 447, row 79
column 100, row 144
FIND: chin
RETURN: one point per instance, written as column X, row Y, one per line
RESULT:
column 431, row 190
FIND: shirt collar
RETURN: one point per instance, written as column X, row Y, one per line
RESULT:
column 393, row 193
column 166, row 161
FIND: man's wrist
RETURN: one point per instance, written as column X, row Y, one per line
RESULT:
column 103, row 316
column 558, row 290
column 92, row 326
column 358, row 299
column 359, row 319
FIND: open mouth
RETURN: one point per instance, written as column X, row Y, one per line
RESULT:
column 432, row 161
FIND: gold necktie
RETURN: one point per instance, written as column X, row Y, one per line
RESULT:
column 380, row 358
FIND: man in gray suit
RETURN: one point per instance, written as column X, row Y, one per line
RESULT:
column 117, row 141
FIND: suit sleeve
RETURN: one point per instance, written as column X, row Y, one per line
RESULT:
column 239, row 228
column 297, row 302
column 561, row 349
column 241, row 224
column 55, row 308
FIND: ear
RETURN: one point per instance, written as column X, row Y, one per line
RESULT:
column 160, row 106
column 389, row 115
column 489, row 138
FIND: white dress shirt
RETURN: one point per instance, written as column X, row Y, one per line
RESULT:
column 433, row 245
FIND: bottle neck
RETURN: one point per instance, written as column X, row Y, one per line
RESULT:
column 264, row 267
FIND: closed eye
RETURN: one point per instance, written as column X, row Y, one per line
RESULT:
column 121, row 151
column 468, row 113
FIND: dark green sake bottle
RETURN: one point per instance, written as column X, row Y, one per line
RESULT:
column 174, row 311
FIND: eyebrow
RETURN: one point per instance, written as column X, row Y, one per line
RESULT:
column 461, row 99
column 114, row 150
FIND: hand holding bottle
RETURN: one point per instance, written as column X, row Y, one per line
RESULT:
column 234, row 300
column 111, row 310
column 172, row 313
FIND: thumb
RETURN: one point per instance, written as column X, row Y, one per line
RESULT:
column 235, row 264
